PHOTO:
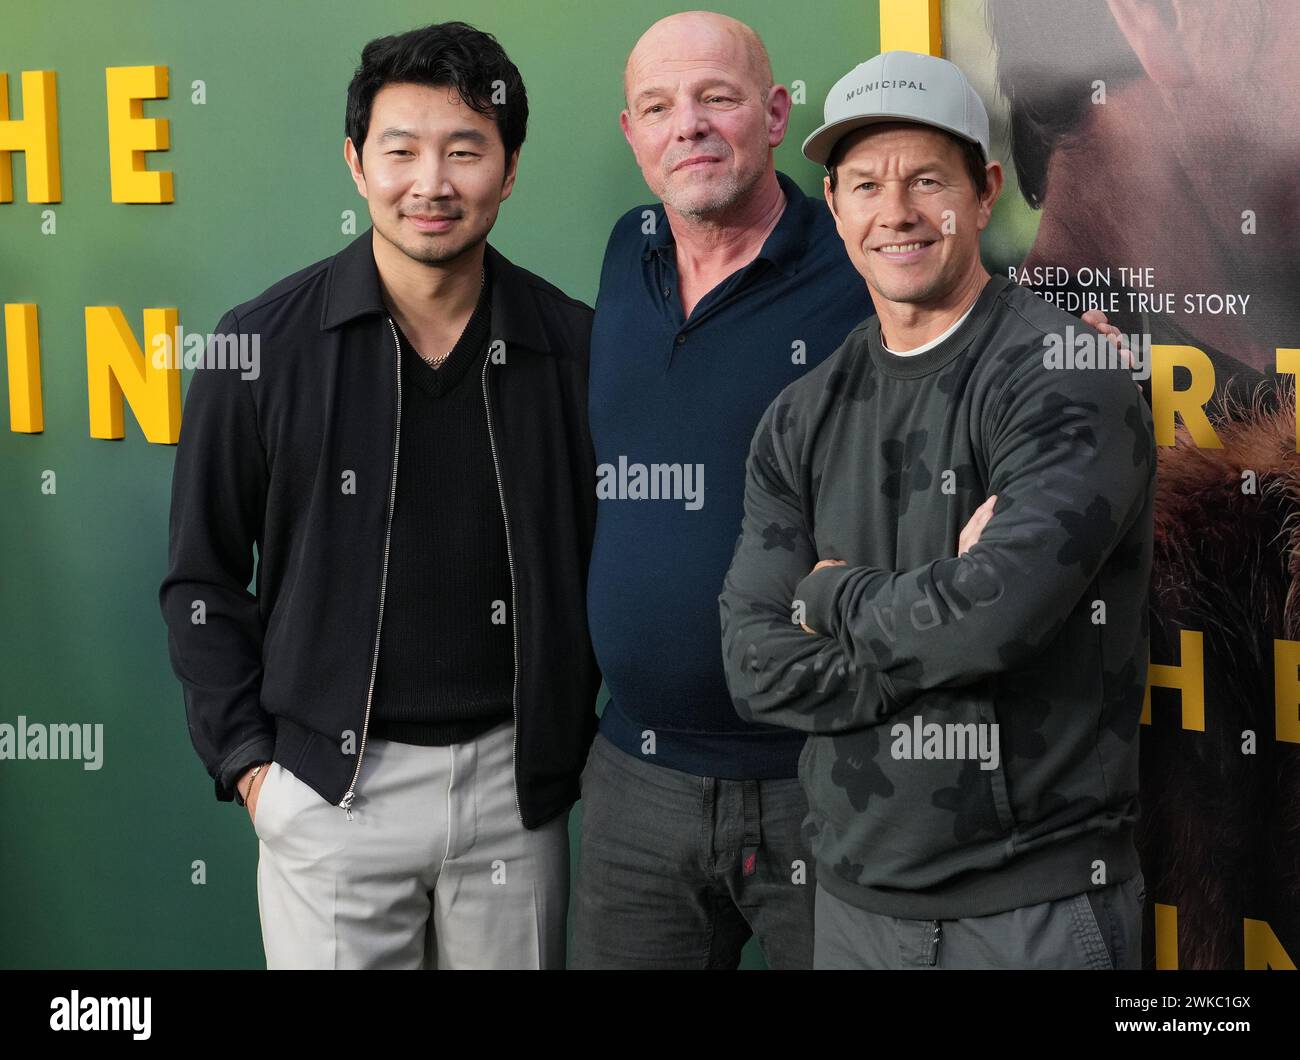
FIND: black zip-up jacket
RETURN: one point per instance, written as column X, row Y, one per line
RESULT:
column 302, row 461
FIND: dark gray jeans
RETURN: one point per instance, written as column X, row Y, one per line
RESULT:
column 677, row 871
column 1099, row 929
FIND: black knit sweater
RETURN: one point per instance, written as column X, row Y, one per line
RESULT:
column 446, row 660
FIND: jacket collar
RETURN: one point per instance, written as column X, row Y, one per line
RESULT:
column 784, row 246
column 353, row 289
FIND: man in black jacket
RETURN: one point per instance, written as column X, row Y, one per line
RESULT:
column 412, row 677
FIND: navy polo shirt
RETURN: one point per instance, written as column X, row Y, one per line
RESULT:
column 674, row 402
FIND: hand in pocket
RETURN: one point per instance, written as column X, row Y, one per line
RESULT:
column 250, row 800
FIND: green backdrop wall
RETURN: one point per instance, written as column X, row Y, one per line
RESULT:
column 98, row 866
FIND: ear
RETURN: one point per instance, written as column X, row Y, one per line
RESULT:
column 512, row 169
column 354, row 165
column 778, row 114
column 991, row 192
column 1164, row 35
column 830, row 202
column 625, row 123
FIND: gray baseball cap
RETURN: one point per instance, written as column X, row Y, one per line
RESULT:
column 900, row 86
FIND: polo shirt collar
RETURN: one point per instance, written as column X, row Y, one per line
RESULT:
column 785, row 244
column 353, row 289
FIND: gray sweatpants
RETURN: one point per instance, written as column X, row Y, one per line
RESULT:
column 435, row 869
column 1099, row 929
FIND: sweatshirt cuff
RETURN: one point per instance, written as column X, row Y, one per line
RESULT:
column 818, row 592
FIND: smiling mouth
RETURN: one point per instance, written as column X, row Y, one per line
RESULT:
column 691, row 163
column 437, row 225
column 905, row 248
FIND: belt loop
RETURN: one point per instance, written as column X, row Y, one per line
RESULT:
column 753, row 828
column 932, row 947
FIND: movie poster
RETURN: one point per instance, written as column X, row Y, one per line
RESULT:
column 1153, row 161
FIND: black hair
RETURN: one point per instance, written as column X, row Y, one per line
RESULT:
column 972, row 155
column 448, row 53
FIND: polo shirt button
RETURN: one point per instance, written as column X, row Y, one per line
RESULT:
column 681, row 339
column 668, row 292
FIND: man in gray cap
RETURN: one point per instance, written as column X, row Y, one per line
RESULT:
column 943, row 569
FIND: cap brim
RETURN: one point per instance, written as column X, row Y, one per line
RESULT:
column 819, row 145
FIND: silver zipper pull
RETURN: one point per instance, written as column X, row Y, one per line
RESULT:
column 347, row 803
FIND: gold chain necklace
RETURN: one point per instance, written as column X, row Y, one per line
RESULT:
column 436, row 362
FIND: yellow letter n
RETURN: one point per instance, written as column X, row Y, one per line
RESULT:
column 116, row 367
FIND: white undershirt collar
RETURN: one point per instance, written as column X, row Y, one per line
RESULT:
column 935, row 341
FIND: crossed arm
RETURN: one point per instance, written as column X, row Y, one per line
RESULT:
column 1069, row 474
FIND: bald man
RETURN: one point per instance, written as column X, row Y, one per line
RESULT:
column 710, row 303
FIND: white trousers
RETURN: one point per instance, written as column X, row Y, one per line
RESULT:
column 435, row 869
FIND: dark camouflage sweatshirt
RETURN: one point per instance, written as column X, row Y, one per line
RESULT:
column 973, row 718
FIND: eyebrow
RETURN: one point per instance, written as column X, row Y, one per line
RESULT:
column 659, row 90
column 859, row 171
column 473, row 135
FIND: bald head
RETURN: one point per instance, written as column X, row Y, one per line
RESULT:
column 675, row 43
column 703, row 117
